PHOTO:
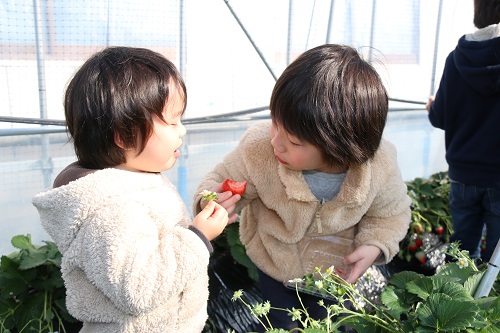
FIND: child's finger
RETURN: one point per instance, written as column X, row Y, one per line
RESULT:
column 232, row 218
column 219, row 213
column 208, row 210
column 351, row 258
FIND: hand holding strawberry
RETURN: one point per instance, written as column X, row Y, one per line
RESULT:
column 227, row 194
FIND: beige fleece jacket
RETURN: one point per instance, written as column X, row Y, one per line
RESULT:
column 129, row 262
column 279, row 212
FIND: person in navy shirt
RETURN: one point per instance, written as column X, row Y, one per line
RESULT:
column 467, row 107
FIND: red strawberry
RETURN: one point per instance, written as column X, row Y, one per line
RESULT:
column 439, row 230
column 234, row 186
column 412, row 247
column 420, row 255
column 419, row 242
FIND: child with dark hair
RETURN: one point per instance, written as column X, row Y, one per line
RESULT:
column 318, row 169
column 132, row 261
column 467, row 108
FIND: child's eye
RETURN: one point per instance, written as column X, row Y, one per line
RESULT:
column 295, row 143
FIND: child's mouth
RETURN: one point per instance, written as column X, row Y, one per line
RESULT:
column 280, row 160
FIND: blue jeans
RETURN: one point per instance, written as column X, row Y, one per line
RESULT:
column 473, row 210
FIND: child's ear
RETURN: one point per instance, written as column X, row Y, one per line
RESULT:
column 118, row 141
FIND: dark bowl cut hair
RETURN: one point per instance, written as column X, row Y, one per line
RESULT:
column 330, row 97
column 116, row 92
column 486, row 12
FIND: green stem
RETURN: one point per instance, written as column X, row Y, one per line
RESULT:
column 254, row 314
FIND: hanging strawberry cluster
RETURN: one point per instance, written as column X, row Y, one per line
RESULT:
column 430, row 216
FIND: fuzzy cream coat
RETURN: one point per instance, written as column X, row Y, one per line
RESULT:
column 279, row 212
column 129, row 262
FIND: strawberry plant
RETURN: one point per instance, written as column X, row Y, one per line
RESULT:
column 430, row 224
column 32, row 293
column 411, row 302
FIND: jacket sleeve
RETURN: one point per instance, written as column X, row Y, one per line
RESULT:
column 137, row 265
column 438, row 109
column 387, row 220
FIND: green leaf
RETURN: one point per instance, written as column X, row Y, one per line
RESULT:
column 422, row 287
column 33, row 260
column 22, row 242
column 397, row 301
column 491, row 329
column 10, row 288
column 427, row 189
column 473, row 282
column 239, row 254
column 443, row 313
column 490, row 306
column 314, row 330
column 455, row 291
column 232, row 234
column 31, row 309
column 454, row 271
column 399, row 280
column 360, row 324
column 10, row 269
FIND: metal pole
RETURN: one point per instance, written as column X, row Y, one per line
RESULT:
column 436, row 44
column 330, row 20
column 289, row 42
column 182, row 173
column 490, row 275
column 182, row 38
column 251, row 40
column 46, row 162
column 372, row 31
column 107, row 24
column 310, row 25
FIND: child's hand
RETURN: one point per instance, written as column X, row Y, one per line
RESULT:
column 361, row 259
column 226, row 199
column 429, row 103
column 212, row 220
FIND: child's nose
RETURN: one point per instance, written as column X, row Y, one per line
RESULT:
column 276, row 143
column 182, row 130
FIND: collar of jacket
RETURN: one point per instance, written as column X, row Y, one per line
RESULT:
column 353, row 191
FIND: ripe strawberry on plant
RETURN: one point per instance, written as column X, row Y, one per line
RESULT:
column 420, row 255
column 412, row 247
column 236, row 187
column 439, row 230
column 419, row 242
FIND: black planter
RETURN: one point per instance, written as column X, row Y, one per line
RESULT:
column 225, row 277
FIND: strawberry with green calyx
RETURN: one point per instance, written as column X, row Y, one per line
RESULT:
column 236, row 187
column 420, row 255
column 208, row 195
column 412, row 247
column 439, row 230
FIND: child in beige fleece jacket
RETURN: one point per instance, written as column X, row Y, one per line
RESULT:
column 132, row 261
column 319, row 169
